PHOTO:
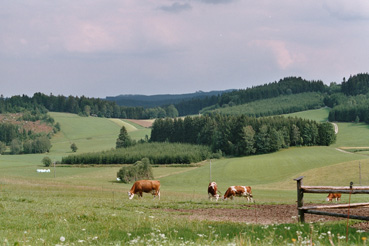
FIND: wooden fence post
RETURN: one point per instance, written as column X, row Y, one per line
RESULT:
column 300, row 199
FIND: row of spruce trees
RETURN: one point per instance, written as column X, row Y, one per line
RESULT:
column 241, row 135
column 351, row 103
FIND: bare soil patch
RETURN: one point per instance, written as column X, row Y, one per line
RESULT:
column 144, row 123
column 266, row 214
column 36, row 126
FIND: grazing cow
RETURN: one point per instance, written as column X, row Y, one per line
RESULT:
column 213, row 191
column 147, row 186
column 331, row 196
column 239, row 191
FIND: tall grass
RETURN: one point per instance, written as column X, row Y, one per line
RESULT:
column 50, row 215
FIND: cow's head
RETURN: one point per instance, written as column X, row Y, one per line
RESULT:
column 329, row 197
column 130, row 195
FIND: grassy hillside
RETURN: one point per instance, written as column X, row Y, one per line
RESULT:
column 91, row 133
column 319, row 115
column 266, row 173
column 274, row 106
column 86, row 205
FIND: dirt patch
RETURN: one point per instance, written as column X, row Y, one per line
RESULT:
column 36, row 126
column 266, row 214
column 144, row 123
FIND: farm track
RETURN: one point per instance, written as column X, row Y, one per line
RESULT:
column 182, row 171
column 264, row 214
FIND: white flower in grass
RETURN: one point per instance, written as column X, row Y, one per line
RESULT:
column 360, row 231
column 95, row 238
column 151, row 217
column 62, row 239
column 129, row 234
column 81, row 241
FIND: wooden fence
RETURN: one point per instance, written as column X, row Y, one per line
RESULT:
column 302, row 210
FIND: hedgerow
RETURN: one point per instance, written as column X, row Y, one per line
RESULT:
column 157, row 153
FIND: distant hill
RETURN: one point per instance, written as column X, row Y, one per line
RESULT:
column 161, row 100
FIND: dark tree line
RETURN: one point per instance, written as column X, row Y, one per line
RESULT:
column 352, row 103
column 353, row 109
column 356, row 85
column 83, row 106
column 157, row 153
column 241, row 135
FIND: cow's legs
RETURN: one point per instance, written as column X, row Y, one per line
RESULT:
column 156, row 193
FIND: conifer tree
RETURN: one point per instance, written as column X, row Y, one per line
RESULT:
column 124, row 140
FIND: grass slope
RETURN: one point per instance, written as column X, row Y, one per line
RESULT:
column 88, row 206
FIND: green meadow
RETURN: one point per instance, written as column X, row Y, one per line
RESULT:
column 86, row 205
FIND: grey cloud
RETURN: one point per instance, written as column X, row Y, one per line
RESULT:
column 176, row 7
column 348, row 11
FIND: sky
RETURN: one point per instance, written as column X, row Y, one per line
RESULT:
column 99, row 48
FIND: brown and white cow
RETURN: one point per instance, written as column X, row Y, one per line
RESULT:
column 331, row 196
column 233, row 191
column 147, row 186
column 213, row 191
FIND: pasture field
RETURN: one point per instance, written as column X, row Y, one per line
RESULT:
column 319, row 115
column 87, row 206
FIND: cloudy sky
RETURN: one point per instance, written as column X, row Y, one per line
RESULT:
column 100, row 48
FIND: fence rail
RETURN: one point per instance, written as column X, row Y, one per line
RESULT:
column 302, row 210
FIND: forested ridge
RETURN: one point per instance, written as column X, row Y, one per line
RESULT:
column 160, row 100
column 85, row 106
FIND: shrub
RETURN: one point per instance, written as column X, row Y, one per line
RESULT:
column 140, row 170
column 46, row 161
column 74, row 147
